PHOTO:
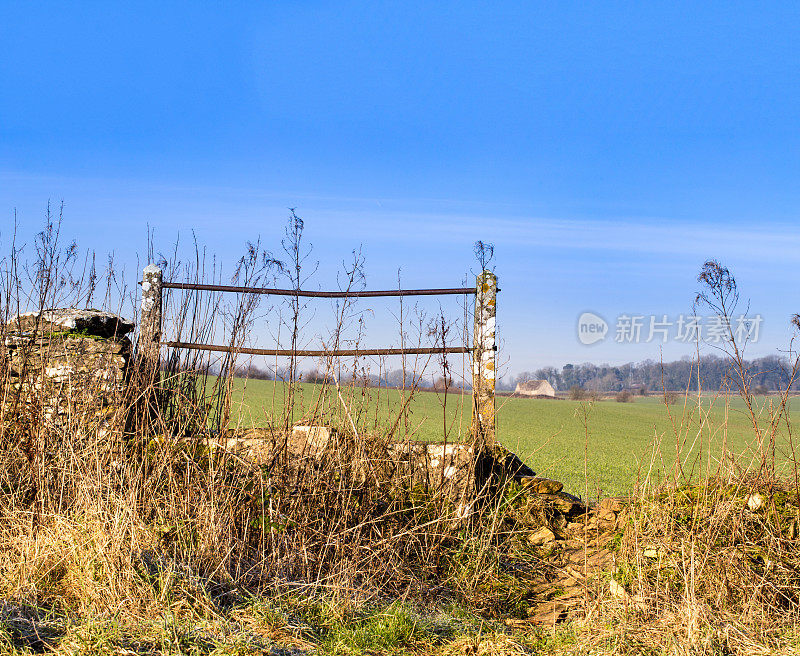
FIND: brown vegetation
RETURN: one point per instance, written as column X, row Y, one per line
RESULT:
column 126, row 541
column 625, row 396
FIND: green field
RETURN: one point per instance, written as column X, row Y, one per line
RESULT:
column 614, row 445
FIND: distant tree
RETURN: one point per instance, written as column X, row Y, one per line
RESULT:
column 314, row 376
column 710, row 373
column 254, row 372
column 577, row 393
column 567, row 376
column 670, row 398
column 440, row 384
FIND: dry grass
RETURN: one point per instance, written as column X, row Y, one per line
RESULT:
column 123, row 540
column 118, row 520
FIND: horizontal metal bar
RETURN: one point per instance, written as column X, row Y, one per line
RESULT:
column 304, row 353
column 299, row 292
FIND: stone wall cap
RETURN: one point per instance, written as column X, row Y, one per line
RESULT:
column 71, row 320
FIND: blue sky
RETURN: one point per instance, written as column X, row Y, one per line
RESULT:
column 606, row 149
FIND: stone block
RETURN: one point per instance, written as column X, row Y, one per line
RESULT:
column 541, row 485
column 74, row 320
column 314, row 438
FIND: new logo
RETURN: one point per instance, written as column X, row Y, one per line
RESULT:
column 591, row 328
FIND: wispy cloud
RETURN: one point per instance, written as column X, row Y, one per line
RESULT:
column 384, row 219
column 659, row 236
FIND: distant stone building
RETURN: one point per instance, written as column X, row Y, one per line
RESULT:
column 535, row 388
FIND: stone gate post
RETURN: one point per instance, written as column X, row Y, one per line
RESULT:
column 150, row 326
column 483, row 360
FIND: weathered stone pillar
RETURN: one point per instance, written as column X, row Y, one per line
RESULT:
column 483, row 360
column 150, row 326
column 70, row 364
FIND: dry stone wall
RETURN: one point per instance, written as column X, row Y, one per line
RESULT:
column 68, row 364
column 71, row 365
column 456, row 470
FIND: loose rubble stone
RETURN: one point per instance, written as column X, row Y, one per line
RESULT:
column 606, row 515
column 575, row 561
column 617, row 590
column 542, row 485
column 541, row 537
column 565, row 503
column 755, row 502
column 548, row 613
column 612, row 504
